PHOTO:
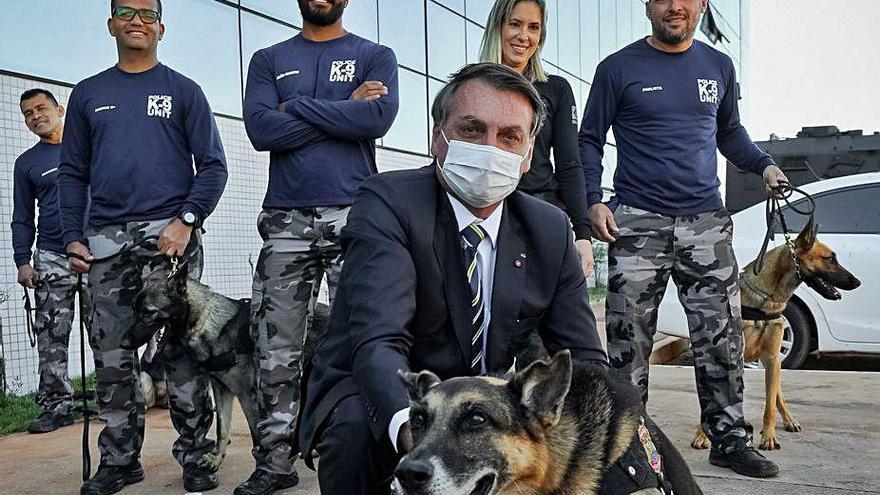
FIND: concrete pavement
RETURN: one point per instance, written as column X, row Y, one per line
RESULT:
column 836, row 454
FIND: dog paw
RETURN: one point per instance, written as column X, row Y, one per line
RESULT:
column 769, row 443
column 792, row 425
column 700, row 442
column 211, row 461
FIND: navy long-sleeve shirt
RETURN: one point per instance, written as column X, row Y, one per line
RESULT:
column 669, row 113
column 322, row 145
column 562, row 179
column 146, row 145
column 35, row 179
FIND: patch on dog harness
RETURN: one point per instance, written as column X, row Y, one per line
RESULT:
column 650, row 449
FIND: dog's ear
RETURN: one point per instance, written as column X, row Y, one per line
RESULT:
column 418, row 384
column 807, row 237
column 543, row 386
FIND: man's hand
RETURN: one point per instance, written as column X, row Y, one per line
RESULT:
column 772, row 177
column 78, row 265
column 369, row 90
column 585, row 249
column 603, row 222
column 174, row 238
column 27, row 276
column 404, row 439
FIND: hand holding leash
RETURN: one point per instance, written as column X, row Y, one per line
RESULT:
column 773, row 180
column 174, row 238
column 79, row 258
column 27, row 276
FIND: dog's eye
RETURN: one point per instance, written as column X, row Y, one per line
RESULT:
column 476, row 420
column 416, row 421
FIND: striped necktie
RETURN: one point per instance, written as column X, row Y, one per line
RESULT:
column 472, row 235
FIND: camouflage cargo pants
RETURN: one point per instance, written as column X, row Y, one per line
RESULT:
column 696, row 251
column 300, row 246
column 112, row 286
column 54, row 300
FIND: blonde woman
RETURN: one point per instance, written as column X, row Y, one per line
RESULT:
column 514, row 36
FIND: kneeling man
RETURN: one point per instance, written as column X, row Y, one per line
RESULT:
column 448, row 268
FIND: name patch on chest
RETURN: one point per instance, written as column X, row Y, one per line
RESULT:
column 159, row 106
column 342, row 70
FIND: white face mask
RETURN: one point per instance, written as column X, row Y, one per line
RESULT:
column 480, row 175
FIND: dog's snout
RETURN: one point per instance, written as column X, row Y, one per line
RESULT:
column 413, row 474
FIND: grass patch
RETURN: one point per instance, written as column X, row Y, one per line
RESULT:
column 598, row 293
column 17, row 411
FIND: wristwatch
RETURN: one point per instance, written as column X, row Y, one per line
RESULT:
column 189, row 217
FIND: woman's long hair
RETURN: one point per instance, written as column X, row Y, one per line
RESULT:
column 490, row 48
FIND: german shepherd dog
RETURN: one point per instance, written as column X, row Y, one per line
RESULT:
column 768, row 292
column 552, row 428
column 215, row 330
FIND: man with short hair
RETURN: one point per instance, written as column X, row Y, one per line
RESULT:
column 448, row 268
column 35, row 179
column 671, row 102
column 134, row 134
column 316, row 102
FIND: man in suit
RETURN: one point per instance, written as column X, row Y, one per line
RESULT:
column 447, row 268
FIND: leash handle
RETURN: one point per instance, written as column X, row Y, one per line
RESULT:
column 29, row 317
column 773, row 210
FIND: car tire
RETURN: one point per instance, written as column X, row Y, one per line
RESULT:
column 801, row 335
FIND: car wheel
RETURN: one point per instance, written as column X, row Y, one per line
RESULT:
column 796, row 336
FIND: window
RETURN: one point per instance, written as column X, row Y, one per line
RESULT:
column 286, row 11
column 58, row 52
column 853, row 210
column 589, row 38
column 258, row 33
column 624, row 24
column 456, row 5
column 446, row 44
column 403, row 30
column 474, row 41
column 478, row 10
column 607, row 27
column 201, row 42
column 569, row 43
column 361, row 19
column 410, row 129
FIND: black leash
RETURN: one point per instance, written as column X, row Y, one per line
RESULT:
column 773, row 211
column 29, row 317
column 84, row 394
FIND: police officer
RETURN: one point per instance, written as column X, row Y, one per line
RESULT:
column 133, row 135
column 671, row 102
column 316, row 102
column 35, row 179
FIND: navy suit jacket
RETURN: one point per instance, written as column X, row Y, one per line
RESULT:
column 403, row 301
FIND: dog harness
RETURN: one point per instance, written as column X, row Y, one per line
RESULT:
column 639, row 469
column 756, row 314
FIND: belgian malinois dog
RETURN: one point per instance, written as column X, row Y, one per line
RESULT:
column 553, row 428
column 768, row 292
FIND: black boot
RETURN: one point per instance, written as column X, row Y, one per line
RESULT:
column 49, row 421
column 265, row 483
column 196, row 479
column 111, row 479
column 746, row 461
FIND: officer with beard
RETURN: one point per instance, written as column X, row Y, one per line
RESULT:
column 316, row 103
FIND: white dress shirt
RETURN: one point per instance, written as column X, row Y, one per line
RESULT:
column 486, row 262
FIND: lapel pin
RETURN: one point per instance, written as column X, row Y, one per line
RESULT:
column 522, row 255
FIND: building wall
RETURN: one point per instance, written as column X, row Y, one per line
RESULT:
column 212, row 41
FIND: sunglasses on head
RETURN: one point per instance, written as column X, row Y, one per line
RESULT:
column 127, row 13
